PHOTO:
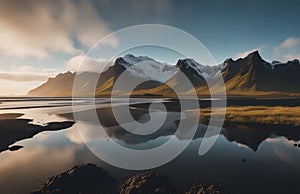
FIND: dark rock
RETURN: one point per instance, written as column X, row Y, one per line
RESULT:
column 148, row 182
column 87, row 178
column 13, row 129
column 15, row 147
column 202, row 188
column 299, row 145
column 295, row 144
column 244, row 160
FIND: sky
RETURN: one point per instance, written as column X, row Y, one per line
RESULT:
column 39, row 39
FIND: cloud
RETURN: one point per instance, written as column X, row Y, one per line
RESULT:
column 290, row 42
column 82, row 63
column 288, row 49
column 18, row 79
column 8, row 88
column 45, row 33
column 35, row 28
column 289, row 57
column 245, row 53
column 22, row 77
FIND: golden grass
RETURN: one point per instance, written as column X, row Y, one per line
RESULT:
column 277, row 115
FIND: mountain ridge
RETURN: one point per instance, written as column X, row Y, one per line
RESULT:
column 248, row 76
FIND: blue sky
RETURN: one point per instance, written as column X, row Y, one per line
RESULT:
column 39, row 39
column 225, row 27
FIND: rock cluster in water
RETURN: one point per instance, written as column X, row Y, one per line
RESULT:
column 202, row 188
column 148, row 182
column 88, row 179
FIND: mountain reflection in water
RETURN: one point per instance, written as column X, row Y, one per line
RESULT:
column 245, row 134
column 245, row 158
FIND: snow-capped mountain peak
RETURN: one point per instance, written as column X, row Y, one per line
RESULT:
column 131, row 59
column 198, row 70
column 194, row 65
column 147, row 67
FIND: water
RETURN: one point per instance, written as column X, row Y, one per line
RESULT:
column 244, row 160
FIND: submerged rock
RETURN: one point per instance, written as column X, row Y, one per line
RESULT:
column 146, row 183
column 202, row 188
column 83, row 179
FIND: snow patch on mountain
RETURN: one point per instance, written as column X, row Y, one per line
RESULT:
column 205, row 71
column 148, row 68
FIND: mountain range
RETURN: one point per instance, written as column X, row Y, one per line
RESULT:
column 249, row 76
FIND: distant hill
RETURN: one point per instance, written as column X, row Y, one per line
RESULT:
column 249, row 76
column 61, row 85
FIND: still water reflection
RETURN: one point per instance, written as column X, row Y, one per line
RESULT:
column 245, row 160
